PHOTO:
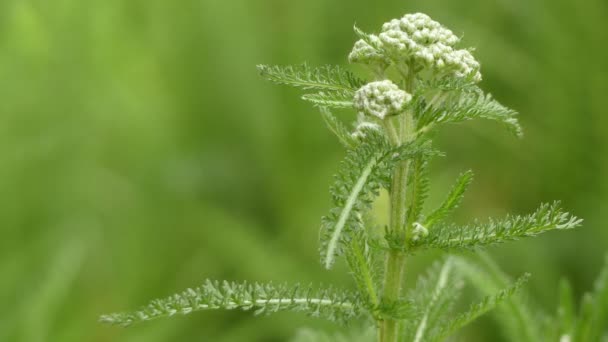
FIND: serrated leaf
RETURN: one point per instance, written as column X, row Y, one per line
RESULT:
column 476, row 310
column 547, row 218
column 261, row 298
column 339, row 99
column 452, row 200
column 434, row 296
column 515, row 315
column 459, row 106
column 324, row 78
column 363, row 268
column 418, row 189
column 338, row 128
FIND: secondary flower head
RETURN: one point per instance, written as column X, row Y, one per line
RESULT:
column 381, row 99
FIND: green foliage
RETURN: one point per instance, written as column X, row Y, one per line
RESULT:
column 327, row 303
column 461, row 102
column 419, row 188
column 515, row 314
column 486, row 304
column 358, row 182
column 365, row 334
column 338, row 128
column 547, row 218
column 590, row 323
column 363, row 262
column 434, row 299
column 325, row 78
column 452, row 200
column 391, row 149
column 338, row 99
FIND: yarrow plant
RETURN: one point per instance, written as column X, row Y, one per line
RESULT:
column 420, row 81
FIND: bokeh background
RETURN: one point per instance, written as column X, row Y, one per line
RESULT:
column 140, row 153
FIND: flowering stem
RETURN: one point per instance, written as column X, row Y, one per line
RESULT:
column 395, row 261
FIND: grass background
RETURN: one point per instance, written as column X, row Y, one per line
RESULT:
column 140, row 152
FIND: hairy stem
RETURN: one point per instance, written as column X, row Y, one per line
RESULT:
column 395, row 261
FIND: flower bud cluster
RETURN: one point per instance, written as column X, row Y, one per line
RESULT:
column 368, row 52
column 418, row 38
column 381, row 99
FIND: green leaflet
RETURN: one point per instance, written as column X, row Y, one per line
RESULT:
column 339, row 99
column 364, row 269
column 338, row 128
column 452, row 200
column 515, row 315
column 476, row 310
column 548, row 217
column 434, row 296
column 453, row 106
column 261, row 298
column 324, row 78
column 419, row 188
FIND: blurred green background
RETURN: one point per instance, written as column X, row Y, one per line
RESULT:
column 140, row 153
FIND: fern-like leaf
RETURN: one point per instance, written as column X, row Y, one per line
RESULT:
column 476, row 310
column 261, row 298
column 362, row 263
column 548, row 217
column 515, row 315
column 358, row 182
column 419, row 189
column 338, row 128
column 337, row 99
column 464, row 106
column 324, row 78
column 433, row 297
column 452, row 200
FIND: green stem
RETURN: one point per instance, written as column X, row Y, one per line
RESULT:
column 395, row 265
column 395, row 260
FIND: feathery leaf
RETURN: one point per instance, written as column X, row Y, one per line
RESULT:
column 338, row 128
column 433, row 297
column 548, row 217
column 338, row 99
column 262, row 298
column 363, row 268
column 451, row 202
column 324, row 78
column 515, row 314
column 476, row 310
column 419, row 189
column 358, row 182
column 459, row 106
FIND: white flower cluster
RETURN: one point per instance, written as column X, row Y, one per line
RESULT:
column 381, row 99
column 419, row 38
column 368, row 53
